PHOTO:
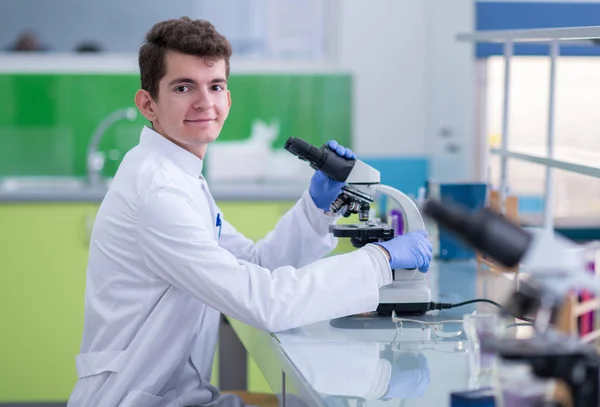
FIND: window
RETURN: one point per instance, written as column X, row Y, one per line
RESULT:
column 577, row 127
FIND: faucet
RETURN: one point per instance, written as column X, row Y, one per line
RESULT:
column 95, row 159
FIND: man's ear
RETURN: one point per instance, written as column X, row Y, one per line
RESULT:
column 144, row 103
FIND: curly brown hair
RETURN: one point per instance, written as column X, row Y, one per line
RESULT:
column 184, row 35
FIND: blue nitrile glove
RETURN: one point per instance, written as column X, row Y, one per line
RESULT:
column 409, row 251
column 323, row 190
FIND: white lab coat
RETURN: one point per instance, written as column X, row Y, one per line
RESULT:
column 161, row 270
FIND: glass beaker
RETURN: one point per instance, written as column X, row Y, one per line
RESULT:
column 478, row 327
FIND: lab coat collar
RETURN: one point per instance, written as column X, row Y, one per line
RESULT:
column 190, row 163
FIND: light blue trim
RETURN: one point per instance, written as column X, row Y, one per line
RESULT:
column 406, row 174
column 530, row 204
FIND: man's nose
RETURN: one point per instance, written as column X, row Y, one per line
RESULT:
column 202, row 101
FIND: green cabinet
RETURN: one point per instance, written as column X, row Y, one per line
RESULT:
column 44, row 251
column 43, row 264
column 44, row 254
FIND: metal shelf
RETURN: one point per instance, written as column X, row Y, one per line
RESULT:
column 593, row 171
column 537, row 35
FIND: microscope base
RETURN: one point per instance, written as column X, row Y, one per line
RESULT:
column 405, row 297
column 404, row 308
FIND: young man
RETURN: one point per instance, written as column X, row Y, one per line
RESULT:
column 164, row 262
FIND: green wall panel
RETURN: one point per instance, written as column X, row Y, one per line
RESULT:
column 46, row 120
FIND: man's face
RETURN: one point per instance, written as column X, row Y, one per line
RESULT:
column 193, row 102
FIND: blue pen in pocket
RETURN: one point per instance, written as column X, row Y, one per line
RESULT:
column 219, row 223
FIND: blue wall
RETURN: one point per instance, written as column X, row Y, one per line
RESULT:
column 502, row 15
column 405, row 174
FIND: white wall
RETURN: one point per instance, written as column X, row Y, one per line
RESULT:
column 450, row 104
column 413, row 80
column 382, row 43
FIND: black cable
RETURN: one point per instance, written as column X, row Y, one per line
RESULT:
column 446, row 305
column 460, row 304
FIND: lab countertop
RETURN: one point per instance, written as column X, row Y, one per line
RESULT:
column 373, row 361
column 76, row 191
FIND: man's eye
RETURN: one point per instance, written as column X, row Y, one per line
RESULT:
column 217, row 87
column 182, row 89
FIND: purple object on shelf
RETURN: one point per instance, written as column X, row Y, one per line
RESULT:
column 586, row 321
column 397, row 222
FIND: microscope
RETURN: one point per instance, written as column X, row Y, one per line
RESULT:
column 554, row 266
column 409, row 293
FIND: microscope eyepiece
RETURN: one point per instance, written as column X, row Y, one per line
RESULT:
column 334, row 166
column 303, row 150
